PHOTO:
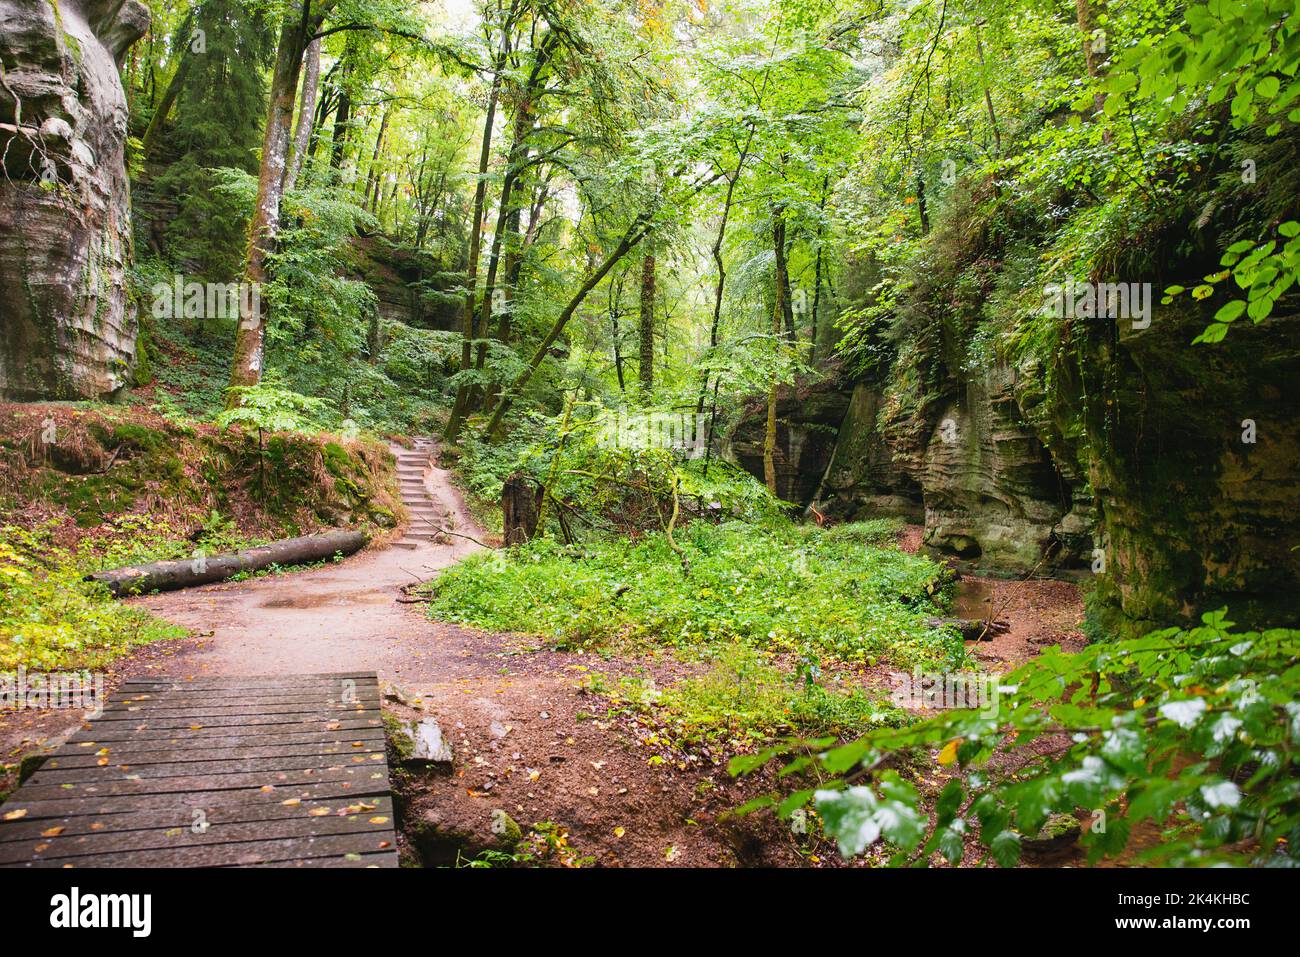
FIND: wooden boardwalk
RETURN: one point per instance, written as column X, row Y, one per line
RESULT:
column 262, row 771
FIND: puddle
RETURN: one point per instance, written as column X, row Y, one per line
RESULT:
column 974, row 598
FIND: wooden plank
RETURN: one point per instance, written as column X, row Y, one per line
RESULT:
column 198, row 723
column 207, row 800
column 278, row 770
column 382, row 859
column 206, row 735
column 168, row 818
column 361, row 678
column 205, row 705
column 239, row 854
column 145, row 756
column 217, row 766
column 174, row 701
column 64, row 846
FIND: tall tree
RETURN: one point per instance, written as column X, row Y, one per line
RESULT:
column 646, row 327
column 460, row 405
column 306, row 115
column 299, row 28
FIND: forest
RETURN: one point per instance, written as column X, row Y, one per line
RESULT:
column 783, row 433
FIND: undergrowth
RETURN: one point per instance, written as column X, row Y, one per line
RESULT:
column 50, row 618
column 782, row 588
column 746, row 697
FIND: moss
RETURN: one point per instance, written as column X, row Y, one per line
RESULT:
column 142, row 374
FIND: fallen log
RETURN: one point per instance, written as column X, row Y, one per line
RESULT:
column 204, row 569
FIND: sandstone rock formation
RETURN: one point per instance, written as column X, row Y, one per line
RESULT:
column 966, row 462
column 67, row 327
column 807, row 423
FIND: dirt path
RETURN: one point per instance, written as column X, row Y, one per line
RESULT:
column 528, row 739
column 341, row 617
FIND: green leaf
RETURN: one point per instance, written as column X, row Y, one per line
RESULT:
column 1005, row 848
column 1230, row 311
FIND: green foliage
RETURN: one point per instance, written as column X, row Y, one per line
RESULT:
column 51, row 619
column 780, row 588
column 1191, row 733
column 745, row 697
column 218, row 123
column 270, row 409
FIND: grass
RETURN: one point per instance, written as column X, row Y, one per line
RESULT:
column 787, row 588
column 745, row 697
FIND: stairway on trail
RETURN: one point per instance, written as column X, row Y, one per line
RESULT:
column 428, row 518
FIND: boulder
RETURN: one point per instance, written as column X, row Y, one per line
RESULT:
column 421, row 743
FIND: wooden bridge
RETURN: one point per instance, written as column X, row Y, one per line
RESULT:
column 261, row 771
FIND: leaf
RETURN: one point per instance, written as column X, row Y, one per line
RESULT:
column 1186, row 713
column 1230, row 310
column 1005, row 848
column 1224, row 794
column 15, row 815
column 850, row 818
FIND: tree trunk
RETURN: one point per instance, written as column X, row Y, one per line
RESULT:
column 988, row 98
column 779, row 312
column 722, row 275
column 306, row 115
column 520, row 504
column 646, row 372
column 250, row 337
column 817, row 269
column 373, row 182
column 615, row 298
column 507, row 212
column 635, row 233
column 785, row 307
column 187, row 572
column 459, row 408
column 168, row 100
column 339, row 141
column 1085, row 16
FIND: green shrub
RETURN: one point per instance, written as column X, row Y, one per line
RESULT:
column 51, row 619
column 781, row 588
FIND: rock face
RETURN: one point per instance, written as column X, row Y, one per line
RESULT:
column 960, row 457
column 67, row 327
column 402, row 282
column 1163, row 472
column 1194, row 469
column 807, row 422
